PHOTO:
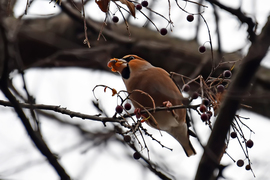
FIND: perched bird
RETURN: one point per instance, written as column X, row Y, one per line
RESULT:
column 140, row 76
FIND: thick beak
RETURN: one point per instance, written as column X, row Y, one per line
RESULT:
column 116, row 65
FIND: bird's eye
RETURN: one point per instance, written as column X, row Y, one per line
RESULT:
column 129, row 58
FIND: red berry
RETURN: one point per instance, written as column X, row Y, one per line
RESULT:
column 202, row 49
column 138, row 6
column 204, row 117
column 127, row 138
column 115, row 19
column 202, row 108
column 119, row 109
column 220, row 88
column 186, row 88
column 136, row 155
column 127, row 106
column 205, row 101
column 195, row 95
column 209, row 113
column 190, row 18
column 144, row 3
column 249, row 143
column 233, row 134
column 240, row 163
column 163, row 31
column 227, row 73
column 248, row 167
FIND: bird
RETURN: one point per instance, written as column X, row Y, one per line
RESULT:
column 151, row 87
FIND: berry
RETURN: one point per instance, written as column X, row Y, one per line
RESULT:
column 227, row 74
column 163, row 31
column 202, row 49
column 209, row 113
column 195, row 95
column 127, row 138
column 119, row 109
column 144, row 3
column 190, row 18
column 127, row 106
column 233, row 135
column 186, row 88
column 138, row 6
column 205, row 101
column 240, row 163
column 115, row 19
column 220, row 88
column 249, row 143
column 136, row 155
column 202, row 108
column 204, row 117
column 248, row 167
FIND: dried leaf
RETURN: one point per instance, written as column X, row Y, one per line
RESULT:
column 130, row 6
column 103, row 5
column 114, row 92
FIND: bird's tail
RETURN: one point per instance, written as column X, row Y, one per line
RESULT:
column 180, row 133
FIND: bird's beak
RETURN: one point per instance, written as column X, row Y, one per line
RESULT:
column 116, row 65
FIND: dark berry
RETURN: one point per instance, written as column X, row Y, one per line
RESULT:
column 202, row 49
column 249, row 143
column 202, row 108
column 240, row 163
column 209, row 113
column 190, row 18
column 205, row 101
column 138, row 6
column 163, row 31
column 119, row 109
column 227, row 73
column 127, row 138
column 144, row 3
column 204, row 117
column 127, row 106
column 115, row 19
column 233, row 134
column 195, row 95
column 136, row 155
column 248, row 167
column 220, row 88
column 186, row 88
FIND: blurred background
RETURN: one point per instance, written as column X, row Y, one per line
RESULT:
column 50, row 57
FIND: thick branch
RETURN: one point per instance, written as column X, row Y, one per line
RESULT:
column 238, row 87
column 34, row 135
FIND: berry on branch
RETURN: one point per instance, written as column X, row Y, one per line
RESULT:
column 163, row 31
column 115, row 19
column 144, row 3
column 119, row 109
column 190, row 18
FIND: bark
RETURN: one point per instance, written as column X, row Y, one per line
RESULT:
column 58, row 42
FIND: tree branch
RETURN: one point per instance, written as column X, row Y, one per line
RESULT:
column 238, row 88
column 34, row 135
column 240, row 15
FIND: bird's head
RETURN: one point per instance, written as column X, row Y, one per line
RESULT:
column 128, row 64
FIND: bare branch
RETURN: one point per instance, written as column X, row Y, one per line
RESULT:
column 238, row 88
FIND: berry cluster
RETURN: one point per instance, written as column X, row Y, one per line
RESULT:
column 119, row 108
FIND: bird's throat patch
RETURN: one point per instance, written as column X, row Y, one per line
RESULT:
column 126, row 72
